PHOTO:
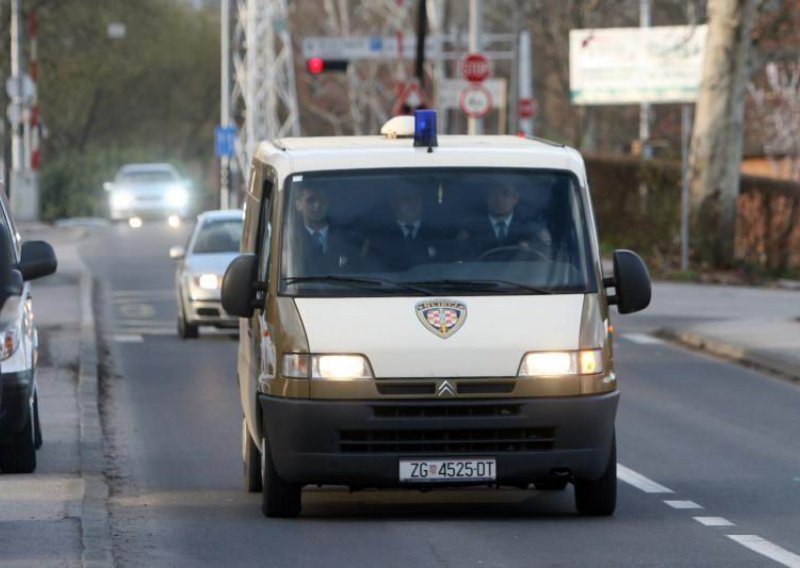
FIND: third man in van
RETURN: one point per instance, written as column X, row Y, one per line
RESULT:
column 502, row 226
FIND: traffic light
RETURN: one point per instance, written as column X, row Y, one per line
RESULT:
column 318, row 65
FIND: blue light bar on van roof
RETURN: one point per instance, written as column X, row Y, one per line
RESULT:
column 425, row 128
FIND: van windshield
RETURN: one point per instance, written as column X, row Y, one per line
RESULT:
column 435, row 232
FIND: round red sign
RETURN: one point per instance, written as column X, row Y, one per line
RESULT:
column 528, row 108
column 475, row 68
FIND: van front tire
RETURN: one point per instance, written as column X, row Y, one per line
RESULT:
column 598, row 497
column 278, row 498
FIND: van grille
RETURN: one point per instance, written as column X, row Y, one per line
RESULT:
column 447, row 441
column 446, row 410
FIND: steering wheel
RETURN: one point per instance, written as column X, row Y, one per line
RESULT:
column 532, row 254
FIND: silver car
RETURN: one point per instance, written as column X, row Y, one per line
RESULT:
column 201, row 266
column 148, row 191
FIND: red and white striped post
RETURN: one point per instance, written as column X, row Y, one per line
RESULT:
column 35, row 142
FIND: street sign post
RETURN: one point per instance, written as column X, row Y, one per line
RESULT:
column 411, row 96
column 225, row 141
column 475, row 67
column 475, row 101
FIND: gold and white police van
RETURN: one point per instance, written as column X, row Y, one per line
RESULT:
column 425, row 313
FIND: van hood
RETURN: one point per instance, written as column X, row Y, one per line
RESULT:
column 497, row 332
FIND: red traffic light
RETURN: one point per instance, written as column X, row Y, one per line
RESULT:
column 316, row 65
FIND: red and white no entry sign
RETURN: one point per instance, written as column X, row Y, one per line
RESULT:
column 528, row 108
column 475, row 101
column 475, row 67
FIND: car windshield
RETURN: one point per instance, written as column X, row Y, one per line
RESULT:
column 435, row 231
column 218, row 236
column 151, row 176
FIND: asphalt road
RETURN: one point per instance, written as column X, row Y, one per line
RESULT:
column 717, row 441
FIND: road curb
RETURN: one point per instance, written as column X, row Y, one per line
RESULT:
column 95, row 525
column 756, row 358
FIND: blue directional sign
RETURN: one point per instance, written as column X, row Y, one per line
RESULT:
column 225, row 141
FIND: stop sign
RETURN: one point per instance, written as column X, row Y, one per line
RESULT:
column 528, row 108
column 475, row 67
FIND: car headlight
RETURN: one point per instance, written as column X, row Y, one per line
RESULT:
column 562, row 363
column 207, row 281
column 177, row 196
column 121, row 199
column 10, row 343
column 330, row 367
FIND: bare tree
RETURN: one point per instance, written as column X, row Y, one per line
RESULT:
column 716, row 148
column 778, row 107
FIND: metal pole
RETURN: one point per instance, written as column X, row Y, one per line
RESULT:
column 225, row 99
column 525, row 79
column 17, row 149
column 645, row 21
column 686, row 126
column 475, row 125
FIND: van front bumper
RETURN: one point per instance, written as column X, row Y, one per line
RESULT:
column 359, row 444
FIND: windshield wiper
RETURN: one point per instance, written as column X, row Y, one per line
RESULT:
column 359, row 281
column 473, row 285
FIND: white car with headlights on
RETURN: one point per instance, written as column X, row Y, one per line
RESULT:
column 148, row 191
column 213, row 244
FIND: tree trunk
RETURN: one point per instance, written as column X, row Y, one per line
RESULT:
column 716, row 148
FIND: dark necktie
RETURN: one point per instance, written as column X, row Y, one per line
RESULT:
column 502, row 230
column 319, row 241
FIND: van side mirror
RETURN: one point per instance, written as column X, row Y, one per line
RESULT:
column 177, row 253
column 240, row 287
column 38, row 259
column 631, row 282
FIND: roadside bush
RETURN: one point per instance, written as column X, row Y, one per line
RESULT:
column 767, row 229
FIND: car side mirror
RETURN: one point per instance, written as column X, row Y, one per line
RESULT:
column 108, row 186
column 241, row 290
column 38, row 259
column 631, row 282
column 177, row 253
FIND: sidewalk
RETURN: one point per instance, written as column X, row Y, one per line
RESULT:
column 50, row 517
column 754, row 326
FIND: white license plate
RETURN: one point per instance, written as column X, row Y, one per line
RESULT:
column 448, row 469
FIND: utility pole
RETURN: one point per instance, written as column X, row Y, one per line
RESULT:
column 225, row 99
column 475, row 125
column 23, row 182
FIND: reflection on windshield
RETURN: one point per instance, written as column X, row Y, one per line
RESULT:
column 218, row 236
column 455, row 231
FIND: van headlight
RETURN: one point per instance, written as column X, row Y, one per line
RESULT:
column 329, row 367
column 177, row 196
column 562, row 363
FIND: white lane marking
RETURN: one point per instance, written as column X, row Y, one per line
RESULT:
column 639, row 481
column 642, row 338
column 128, row 338
column 683, row 504
column 714, row 521
column 767, row 548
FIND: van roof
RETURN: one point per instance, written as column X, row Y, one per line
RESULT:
column 356, row 152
